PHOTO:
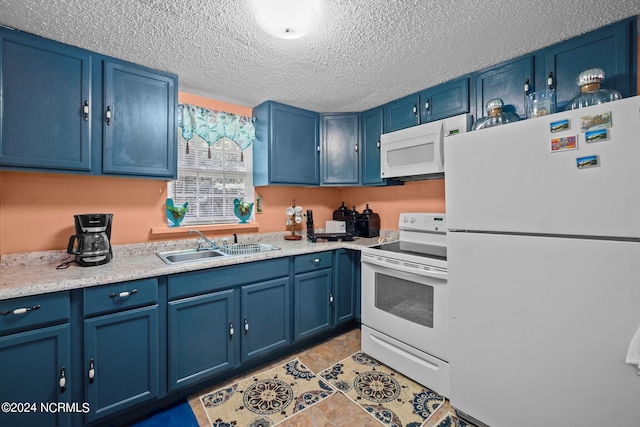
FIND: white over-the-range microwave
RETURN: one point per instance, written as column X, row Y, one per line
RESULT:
column 418, row 152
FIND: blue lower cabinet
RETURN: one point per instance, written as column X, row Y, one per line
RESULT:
column 347, row 283
column 204, row 337
column 34, row 366
column 312, row 303
column 265, row 318
column 121, row 360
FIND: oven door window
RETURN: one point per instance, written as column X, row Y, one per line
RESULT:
column 406, row 299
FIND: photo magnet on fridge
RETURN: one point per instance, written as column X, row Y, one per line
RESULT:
column 597, row 121
column 564, row 143
column 596, row 135
column 587, row 162
column 560, row 125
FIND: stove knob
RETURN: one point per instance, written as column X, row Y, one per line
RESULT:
column 406, row 218
column 413, row 219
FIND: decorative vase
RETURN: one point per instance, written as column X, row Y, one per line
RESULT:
column 242, row 210
column 175, row 215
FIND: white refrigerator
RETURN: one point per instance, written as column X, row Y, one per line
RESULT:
column 544, row 268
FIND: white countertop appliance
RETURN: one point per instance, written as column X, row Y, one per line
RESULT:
column 405, row 301
column 544, row 268
column 417, row 152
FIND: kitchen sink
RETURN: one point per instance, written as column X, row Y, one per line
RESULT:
column 189, row 255
column 234, row 249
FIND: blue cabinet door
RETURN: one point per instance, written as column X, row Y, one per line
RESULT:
column 346, row 283
column 609, row 48
column 401, row 113
column 370, row 146
column 265, row 318
column 339, row 149
column 204, row 337
column 312, row 303
column 139, row 121
column 32, row 364
column 505, row 81
column 121, row 360
column 445, row 100
column 44, row 89
column 285, row 150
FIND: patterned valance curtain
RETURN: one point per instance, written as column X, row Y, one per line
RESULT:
column 212, row 125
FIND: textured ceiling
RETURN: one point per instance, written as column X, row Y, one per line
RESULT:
column 363, row 53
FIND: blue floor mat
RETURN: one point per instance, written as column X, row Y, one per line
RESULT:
column 179, row 414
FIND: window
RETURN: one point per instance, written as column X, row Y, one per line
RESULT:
column 211, row 184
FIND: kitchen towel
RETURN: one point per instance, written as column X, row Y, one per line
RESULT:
column 633, row 354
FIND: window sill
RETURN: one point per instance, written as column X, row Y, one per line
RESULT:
column 217, row 228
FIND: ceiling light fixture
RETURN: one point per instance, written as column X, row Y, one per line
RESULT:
column 286, row 19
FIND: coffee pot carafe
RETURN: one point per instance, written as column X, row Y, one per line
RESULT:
column 91, row 244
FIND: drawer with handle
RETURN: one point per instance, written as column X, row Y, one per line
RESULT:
column 33, row 311
column 312, row 262
column 120, row 296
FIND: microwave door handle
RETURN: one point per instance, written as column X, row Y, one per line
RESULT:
column 439, row 147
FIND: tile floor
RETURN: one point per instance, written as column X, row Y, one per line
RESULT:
column 335, row 411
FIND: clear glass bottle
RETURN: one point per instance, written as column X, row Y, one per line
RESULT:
column 590, row 91
column 495, row 116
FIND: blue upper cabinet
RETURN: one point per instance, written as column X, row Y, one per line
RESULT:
column 339, row 149
column 370, row 146
column 439, row 102
column 505, row 81
column 45, row 88
column 612, row 48
column 286, row 148
column 55, row 101
column 139, row 121
column 401, row 113
column 445, row 100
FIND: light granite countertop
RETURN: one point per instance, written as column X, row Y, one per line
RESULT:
column 35, row 273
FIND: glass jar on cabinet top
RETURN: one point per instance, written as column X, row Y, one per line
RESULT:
column 496, row 115
column 541, row 103
column 590, row 91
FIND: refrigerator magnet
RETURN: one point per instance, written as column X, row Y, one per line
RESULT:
column 560, row 125
column 587, row 162
column 564, row 143
column 596, row 135
column 597, row 121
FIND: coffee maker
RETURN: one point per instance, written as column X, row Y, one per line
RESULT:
column 91, row 244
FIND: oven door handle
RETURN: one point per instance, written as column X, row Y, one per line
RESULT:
column 403, row 267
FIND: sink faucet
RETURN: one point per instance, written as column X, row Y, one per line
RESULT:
column 202, row 239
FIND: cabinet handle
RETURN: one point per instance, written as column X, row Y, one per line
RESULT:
column 123, row 294
column 427, row 106
column 62, row 382
column 330, row 298
column 246, row 326
column 378, row 144
column 231, row 331
column 20, row 310
column 550, row 80
column 314, row 261
column 526, row 87
column 415, row 110
column 85, row 111
column 92, row 371
column 107, row 115
column 356, row 148
column 318, row 148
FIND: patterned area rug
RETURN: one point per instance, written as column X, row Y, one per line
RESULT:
column 451, row 420
column 266, row 399
column 390, row 397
